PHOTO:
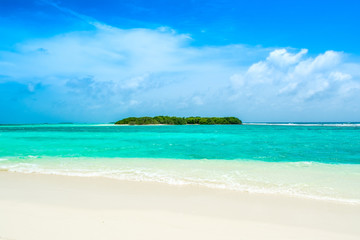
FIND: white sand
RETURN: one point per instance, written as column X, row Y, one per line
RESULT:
column 55, row 207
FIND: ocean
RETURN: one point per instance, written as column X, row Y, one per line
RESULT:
column 313, row 160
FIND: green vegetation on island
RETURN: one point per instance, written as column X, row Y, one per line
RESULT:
column 166, row 120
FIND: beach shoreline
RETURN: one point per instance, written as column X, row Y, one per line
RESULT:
column 37, row 206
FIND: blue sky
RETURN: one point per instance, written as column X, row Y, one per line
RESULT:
column 99, row 61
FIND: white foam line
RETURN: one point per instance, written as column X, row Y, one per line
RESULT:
column 172, row 181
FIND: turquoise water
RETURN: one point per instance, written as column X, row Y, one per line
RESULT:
column 319, row 161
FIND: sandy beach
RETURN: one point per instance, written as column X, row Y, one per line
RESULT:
column 34, row 206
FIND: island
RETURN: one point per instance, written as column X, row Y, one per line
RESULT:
column 166, row 120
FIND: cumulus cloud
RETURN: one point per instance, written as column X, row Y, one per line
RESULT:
column 283, row 58
column 118, row 72
column 108, row 73
column 292, row 73
column 292, row 80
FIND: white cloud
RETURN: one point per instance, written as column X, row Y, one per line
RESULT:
column 110, row 67
column 237, row 80
column 339, row 76
column 283, row 58
column 322, row 62
column 292, row 84
column 292, row 73
column 135, row 82
column 107, row 73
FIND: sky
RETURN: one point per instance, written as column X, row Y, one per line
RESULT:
column 100, row 61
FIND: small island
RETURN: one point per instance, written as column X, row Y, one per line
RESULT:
column 166, row 120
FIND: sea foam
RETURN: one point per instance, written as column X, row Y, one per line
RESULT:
column 328, row 182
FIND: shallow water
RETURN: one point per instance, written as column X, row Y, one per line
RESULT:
column 319, row 161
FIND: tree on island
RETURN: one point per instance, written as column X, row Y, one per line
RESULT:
column 179, row 120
